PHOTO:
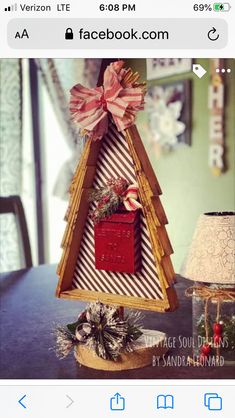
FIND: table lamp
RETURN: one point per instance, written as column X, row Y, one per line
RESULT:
column 211, row 264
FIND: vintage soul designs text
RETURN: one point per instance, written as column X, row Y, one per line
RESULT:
column 182, row 342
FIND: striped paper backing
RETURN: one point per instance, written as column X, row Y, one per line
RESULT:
column 115, row 161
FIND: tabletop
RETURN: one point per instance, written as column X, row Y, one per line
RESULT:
column 29, row 311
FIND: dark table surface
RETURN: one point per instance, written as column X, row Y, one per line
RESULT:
column 29, row 310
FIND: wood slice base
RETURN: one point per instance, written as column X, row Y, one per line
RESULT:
column 150, row 344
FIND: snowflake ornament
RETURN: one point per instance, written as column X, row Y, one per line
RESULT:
column 164, row 115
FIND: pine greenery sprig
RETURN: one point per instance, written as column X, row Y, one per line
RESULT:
column 108, row 198
column 102, row 330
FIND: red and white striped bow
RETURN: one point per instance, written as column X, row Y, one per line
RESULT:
column 130, row 198
column 90, row 108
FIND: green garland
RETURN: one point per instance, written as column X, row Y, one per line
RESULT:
column 108, row 198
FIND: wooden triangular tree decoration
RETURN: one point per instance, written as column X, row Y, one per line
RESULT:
column 117, row 155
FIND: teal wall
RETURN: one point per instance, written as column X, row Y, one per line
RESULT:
column 188, row 186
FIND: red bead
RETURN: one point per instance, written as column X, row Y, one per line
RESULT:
column 217, row 339
column 217, row 328
column 206, row 349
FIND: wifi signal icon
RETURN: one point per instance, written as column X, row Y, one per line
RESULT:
column 12, row 8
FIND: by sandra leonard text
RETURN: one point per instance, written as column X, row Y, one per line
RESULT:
column 186, row 361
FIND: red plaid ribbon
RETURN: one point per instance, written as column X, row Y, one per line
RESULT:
column 90, row 108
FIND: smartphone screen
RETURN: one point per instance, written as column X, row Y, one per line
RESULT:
column 117, row 209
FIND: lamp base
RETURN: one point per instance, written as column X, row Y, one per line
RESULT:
column 148, row 346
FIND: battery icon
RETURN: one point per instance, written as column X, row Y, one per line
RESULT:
column 221, row 7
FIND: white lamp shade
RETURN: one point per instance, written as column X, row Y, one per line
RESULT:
column 211, row 257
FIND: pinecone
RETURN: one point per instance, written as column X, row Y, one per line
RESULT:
column 118, row 185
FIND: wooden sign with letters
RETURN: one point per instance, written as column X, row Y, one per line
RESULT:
column 216, row 121
column 117, row 243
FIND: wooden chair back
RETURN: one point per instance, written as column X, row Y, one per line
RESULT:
column 13, row 204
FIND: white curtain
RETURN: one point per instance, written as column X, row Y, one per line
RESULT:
column 10, row 156
column 59, row 76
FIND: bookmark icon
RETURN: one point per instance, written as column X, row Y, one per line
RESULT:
column 165, row 402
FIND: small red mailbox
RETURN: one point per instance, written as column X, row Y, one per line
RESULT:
column 117, row 243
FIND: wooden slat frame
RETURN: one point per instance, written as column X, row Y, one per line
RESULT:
column 149, row 191
column 153, row 211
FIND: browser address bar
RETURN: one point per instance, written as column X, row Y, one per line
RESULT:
column 117, row 33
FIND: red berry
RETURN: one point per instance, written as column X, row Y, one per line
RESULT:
column 217, row 339
column 217, row 328
column 82, row 315
column 106, row 199
column 206, row 349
